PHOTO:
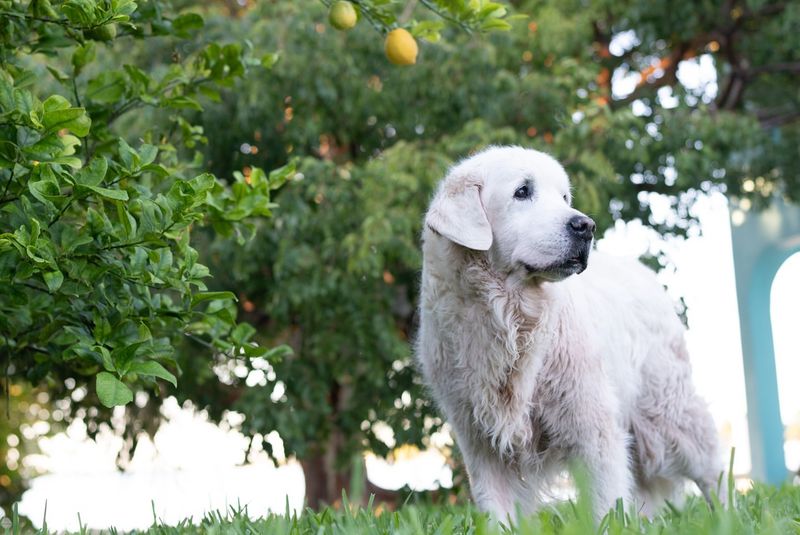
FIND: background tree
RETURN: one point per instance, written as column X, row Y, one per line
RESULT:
column 343, row 245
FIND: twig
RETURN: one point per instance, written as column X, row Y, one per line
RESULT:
column 8, row 185
column 201, row 341
column 789, row 67
column 34, row 287
column 75, row 91
column 369, row 16
column 61, row 212
column 779, row 119
column 131, row 244
column 61, row 22
column 8, row 387
column 407, row 11
column 446, row 16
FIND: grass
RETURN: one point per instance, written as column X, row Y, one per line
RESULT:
column 763, row 510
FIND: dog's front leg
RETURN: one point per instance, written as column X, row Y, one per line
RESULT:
column 584, row 419
column 496, row 484
column 605, row 457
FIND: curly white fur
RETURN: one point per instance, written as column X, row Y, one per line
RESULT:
column 534, row 368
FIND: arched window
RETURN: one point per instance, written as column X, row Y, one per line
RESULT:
column 785, row 317
column 762, row 242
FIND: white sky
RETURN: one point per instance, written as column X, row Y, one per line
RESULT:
column 194, row 466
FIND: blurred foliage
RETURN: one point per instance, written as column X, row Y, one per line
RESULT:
column 13, row 448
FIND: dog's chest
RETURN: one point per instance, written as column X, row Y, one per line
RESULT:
column 483, row 345
column 492, row 388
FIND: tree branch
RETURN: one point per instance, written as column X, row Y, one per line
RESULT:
column 787, row 67
column 670, row 77
column 778, row 119
column 766, row 11
column 8, row 184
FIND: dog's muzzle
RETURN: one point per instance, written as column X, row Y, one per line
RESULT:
column 574, row 262
column 578, row 259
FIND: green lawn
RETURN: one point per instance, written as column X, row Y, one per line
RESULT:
column 762, row 510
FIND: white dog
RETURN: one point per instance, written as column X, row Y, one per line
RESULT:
column 537, row 360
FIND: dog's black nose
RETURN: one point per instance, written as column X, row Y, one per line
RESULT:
column 581, row 227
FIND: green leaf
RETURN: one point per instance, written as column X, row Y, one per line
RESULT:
column 82, row 56
column 124, row 7
column 129, row 157
column 494, row 24
column 137, row 76
column 116, row 194
column 58, row 113
column 107, row 88
column 271, row 354
column 122, row 356
column 186, row 23
column 53, row 279
column 58, row 74
column 93, row 174
column 108, row 363
column 72, row 238
column 203, row 182
column 79, row 12
column 36, row 229
column 242, row 333
column 279, row 176
column 277, row 353
column 269, row 60
column 153, row 369
column 44, row 191
column 147, row 154
column 183, row 102
column 111, row 391
column 210, row 93
column 212, row 296
column 70, row 161
column 428, row 30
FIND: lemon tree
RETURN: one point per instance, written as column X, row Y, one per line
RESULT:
column 100, row 190
column 403, row 23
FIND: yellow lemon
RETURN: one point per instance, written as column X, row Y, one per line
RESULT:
column 401, row 48
column 342, row 15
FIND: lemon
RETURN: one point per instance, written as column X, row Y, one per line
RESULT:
column 342, row 15
column 401, row 48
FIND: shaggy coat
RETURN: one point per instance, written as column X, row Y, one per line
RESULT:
column 535, row 362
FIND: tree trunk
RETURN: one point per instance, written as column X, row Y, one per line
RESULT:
column 324, row 483
column 325, row 479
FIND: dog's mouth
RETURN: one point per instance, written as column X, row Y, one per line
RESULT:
column 574, row 264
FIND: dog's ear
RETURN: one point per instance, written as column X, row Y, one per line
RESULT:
column 457, row 214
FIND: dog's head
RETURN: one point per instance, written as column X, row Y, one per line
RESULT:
column 514, row 203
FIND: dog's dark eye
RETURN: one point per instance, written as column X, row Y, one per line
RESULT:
column 565, row 199
column 523, row 192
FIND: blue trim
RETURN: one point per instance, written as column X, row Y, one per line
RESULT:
column 760, row 246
